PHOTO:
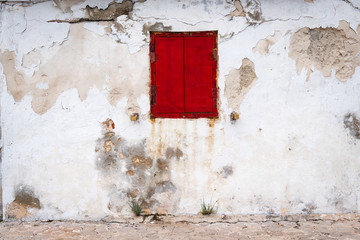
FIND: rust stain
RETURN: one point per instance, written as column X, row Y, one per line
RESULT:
column 137, row 161
column 130, row 172
column 109, row 124
column 211, row 122
column 110, row 134
column 108, row 145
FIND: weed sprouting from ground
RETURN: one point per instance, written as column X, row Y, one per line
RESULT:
column 136, row 208
column 207, row 208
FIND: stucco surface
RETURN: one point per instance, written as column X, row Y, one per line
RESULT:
column 73, row 73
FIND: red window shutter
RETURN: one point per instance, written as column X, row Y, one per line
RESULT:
column 199, row 78
column 169, row 75
column 183, row 74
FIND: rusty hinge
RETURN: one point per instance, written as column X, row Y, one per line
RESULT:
column 153, row 95
column 152, row 52
column 214, row 54
column 152, row 57
column 214, row 96
column 152, row 46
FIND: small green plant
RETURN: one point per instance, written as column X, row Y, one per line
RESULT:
column 207, row 209
column 136, row 208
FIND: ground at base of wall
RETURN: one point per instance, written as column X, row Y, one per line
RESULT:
column 194, row 227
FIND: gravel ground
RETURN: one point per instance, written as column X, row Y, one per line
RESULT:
column 191, row 227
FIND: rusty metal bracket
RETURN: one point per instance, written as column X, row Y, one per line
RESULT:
column 214, row 54
column 153, row 95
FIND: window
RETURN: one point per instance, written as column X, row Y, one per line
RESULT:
column 183, row 74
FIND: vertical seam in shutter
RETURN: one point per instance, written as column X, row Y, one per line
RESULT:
column 183, row 38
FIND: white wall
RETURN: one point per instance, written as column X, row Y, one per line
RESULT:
column 295, row 148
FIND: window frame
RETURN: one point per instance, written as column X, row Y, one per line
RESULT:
column 214, row 93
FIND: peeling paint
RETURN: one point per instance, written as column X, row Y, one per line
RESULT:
column 263, row 45
column 62, row 67
column 253, row 12
column 111, row 12
column 326, row 49
column 238, row 83
column 65, row 5
column 239, row 10
column 156, row 27
column 75, row 75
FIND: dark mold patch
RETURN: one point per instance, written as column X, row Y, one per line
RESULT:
column 253, row 12
column 165, row 186
column 25, row 196
column 171, row 152
column 94, row 14
column 111, row 12
column 352, row 123
column 162, row 165
column 156, row 27
column 145, row 176
column 309, row 208
column 226, row 171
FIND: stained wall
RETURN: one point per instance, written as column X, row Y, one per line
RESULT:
column 73, row 72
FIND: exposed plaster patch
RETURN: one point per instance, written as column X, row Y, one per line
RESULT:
column 326, row 49
column 239, row 10
column 238, row 83
column 92, row 64
column 111, row 12
column 309, row 1
column 24, row 200
column 253, row 12
column 95, row 14
column 65, row 5
column 352, row 123
column 263, row 45
column 129, row 31
column 156, row 27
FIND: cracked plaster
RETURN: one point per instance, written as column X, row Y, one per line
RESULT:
column 290, row 132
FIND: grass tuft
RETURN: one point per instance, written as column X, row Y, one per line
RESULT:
column 136, row 208
column 207, row 209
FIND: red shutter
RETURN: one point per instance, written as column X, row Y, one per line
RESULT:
column 169, row 75
column 183, row 74
column 199, row 74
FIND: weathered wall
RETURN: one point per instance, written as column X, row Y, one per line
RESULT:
column 73, row 72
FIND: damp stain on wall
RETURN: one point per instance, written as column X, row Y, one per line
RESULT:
column 352, row 123
column 25, row 200
column 128, row 172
